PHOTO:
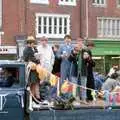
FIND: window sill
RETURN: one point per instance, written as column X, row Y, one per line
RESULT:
column 1, row 33
column 98, row 5
column 50, row 36
column 118, row 6
column 67, row 4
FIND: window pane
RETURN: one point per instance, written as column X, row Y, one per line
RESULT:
column 60, row 21
column 50, row 21
column 118, row 24
column 55, row 21
column 118, row 2
column 102, row 1
column 98, row 1
column 65, row 21
column 45, row 20
column 50, row 25
column 55, row 25
column 45, row 30
column 39, row 20
column 109, row 27
column 39, row 29
column 94, row 1
column 65, row 30
column 113, row 27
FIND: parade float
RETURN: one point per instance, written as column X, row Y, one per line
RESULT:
column 18, row 101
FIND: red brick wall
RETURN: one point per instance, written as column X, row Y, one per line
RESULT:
column 13, row 20
column 110, row 11
column 19, row 17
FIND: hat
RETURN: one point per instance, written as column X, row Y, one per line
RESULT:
column 30, row 38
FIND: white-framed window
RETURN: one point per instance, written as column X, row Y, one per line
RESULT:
column 60, row 2
column 0, row 14
column 108, row 27
column 67, row 2
column 39, row 1
column 99, row 3
column 118, row 3
column 52, row 25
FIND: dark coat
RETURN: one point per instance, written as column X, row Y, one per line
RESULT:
column 56, row 66
column 28, row 54
column 90, row 78
column 84, row 62
column 73, row 59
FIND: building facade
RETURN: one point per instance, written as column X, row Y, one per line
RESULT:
column 94, row 20
column 102, row 21
column 12, row 24
column 54, row 18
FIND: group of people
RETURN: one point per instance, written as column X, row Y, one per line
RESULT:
column 67, row 61
column 112, row 81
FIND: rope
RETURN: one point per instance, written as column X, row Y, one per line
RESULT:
column 90, row 88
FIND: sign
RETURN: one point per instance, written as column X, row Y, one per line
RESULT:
column 8, row 50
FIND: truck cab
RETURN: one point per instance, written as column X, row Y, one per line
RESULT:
column 12, row 90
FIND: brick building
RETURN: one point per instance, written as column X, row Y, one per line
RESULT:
column 54, row 18
column 100, row 22
column 12, row 23
column 96, row 20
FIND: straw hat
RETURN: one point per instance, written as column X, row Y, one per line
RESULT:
column 30, row 38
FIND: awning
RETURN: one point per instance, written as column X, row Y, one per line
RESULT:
column 106, row 47
column 106, row 51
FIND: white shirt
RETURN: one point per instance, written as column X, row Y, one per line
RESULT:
column 112, row 70
column 46, row 57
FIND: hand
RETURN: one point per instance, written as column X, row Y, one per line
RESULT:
column 64, row 56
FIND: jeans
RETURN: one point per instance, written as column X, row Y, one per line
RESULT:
column 83, row 90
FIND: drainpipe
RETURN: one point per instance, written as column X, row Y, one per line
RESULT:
column 87, row 26
column 1, row 33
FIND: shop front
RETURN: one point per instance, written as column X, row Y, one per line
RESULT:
column 108, row 53
column 8, row 52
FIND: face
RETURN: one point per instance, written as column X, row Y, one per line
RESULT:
column 55, row 48
column 67, row 40
column 44, row 42
column 77, row 48
column 80, row 42
column 85, row 55
column 32, row 44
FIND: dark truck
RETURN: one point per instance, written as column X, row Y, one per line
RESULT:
column 18, row 103
column 12, row 90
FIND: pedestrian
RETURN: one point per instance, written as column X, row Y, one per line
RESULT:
column 56, row 66
column 63, row 54
column 46, row 54
column 29, row 56
column 82, row 69
column 30, row 50
column 90, row 76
